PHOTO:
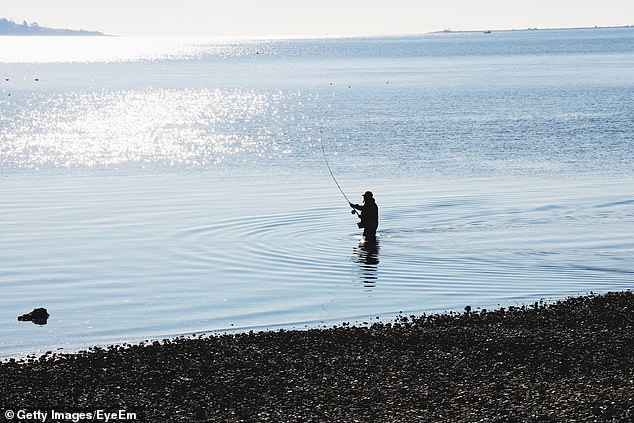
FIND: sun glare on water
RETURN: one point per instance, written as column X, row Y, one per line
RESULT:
column 17, row 49
column 166, row 126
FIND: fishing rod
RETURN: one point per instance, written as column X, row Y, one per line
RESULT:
column 323, row 151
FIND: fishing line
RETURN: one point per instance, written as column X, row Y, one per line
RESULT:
column 332, row 175
column 323, row 150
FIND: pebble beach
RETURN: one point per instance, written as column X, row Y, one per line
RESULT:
column 569, row 360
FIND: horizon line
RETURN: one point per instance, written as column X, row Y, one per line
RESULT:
column 320, row 36
column 375, row 35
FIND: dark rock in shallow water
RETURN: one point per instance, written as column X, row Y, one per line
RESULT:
column 39, row 316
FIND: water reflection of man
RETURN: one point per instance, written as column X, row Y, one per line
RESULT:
column 367, row 256
column 369, row 217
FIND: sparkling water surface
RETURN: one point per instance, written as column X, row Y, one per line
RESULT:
column 158, row 187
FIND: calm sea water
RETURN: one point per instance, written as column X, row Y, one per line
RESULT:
column 159, row 187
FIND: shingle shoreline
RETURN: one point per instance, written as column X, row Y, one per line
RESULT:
column 568, row 361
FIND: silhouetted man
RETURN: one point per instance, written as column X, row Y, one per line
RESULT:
column 369, row 216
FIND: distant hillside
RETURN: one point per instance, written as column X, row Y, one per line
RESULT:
column 8, row 27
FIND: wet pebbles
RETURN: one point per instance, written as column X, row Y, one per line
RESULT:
column 568, row 361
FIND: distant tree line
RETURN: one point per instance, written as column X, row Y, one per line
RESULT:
column 9, row 27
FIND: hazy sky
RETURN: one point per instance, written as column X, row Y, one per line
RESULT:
column 313, row 17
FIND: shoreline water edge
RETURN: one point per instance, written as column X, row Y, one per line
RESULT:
column 568, row 360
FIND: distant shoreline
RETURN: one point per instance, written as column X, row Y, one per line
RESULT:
column 451, row 31
column 11, row 28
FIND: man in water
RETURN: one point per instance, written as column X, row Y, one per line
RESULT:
column 369, row 216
